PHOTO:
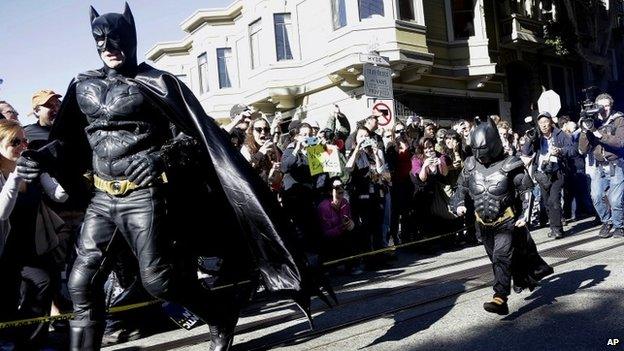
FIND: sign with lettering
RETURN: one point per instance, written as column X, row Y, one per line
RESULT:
column 374, row 59
column 378, row 81
column 323, row 159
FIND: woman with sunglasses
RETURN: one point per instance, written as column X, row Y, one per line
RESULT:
column 25, row 250
column 262, row 152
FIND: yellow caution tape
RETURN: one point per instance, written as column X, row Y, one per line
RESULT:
column 67, row 316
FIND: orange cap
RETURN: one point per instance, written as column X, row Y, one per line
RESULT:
column 43, row 96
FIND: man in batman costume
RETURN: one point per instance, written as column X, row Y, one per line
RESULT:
column 500, row 188
column 150, row 151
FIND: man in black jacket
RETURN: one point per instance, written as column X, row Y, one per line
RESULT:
column 45, row 104
column 553, row 148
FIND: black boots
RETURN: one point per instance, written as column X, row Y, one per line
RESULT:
column 85, row 335
column 498, row 305
column 221, row 336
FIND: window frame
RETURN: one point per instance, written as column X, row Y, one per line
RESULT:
column 255, row 31
column 228, row 68
column 204, row 82
column 359, row 8
column 338, row 4
column 287, row 39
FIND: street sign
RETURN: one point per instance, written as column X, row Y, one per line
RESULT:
column 549, row 102
column 384, row 110
column 375, row 59
column 377, row 81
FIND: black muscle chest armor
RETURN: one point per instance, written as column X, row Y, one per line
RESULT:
column 121, row 123
column 492, row 191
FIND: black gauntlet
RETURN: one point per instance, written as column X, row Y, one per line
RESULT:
column 180, row 152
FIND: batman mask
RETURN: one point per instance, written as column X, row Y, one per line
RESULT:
column 485, row 142
column 116, row 32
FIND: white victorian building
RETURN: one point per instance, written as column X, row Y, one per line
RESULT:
column 306, row 56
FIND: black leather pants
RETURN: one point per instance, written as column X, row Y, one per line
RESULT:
column 140, row 219
column 497, row 241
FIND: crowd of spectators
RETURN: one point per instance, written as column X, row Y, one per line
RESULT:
column 387, row 186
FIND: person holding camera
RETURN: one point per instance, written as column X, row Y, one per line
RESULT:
column 299, row 195
column 602, row 140
column 26, row 246
column 262, row 153
column 368, row 187
column 552, row 148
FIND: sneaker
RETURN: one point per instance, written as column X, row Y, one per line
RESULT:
column 559, row 233
column 498, row 305
column 618, row 233
column 605, row 230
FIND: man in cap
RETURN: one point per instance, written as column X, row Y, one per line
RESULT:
column 45, row 105
column 241, row 115
column 553, row 147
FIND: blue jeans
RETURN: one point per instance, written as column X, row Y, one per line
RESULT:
column 604, row 181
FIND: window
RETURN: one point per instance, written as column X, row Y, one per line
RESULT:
column 283, row 33
column 224, row 65
column 406, row 10
column 339, row 13
column 202, row 63
column 463, row 18
column 255, row 29
column 368, row 8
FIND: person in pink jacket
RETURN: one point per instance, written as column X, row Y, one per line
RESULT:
column 336, row 222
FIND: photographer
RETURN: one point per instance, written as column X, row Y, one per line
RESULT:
column 602, row 140
column 553, row 148
column 298, row 194
column 368, row 187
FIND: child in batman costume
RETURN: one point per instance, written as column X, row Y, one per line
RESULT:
column 500, row 188
column 169, row 182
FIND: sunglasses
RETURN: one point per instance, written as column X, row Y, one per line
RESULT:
column 15, row 142
column 260, row 129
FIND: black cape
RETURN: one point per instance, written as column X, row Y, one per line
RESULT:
column 255, row 213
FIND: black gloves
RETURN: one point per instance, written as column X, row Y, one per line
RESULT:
column 145, row 168
column 27, row 169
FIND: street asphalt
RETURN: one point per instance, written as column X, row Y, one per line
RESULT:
column 432, row 300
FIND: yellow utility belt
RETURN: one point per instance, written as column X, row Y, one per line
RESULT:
column 509, row 213
column 121, row 187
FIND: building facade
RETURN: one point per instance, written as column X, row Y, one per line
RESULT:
column 450, row 59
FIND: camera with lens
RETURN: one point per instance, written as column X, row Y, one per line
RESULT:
column 312, row 140
column 590, row 111
column 532, row 132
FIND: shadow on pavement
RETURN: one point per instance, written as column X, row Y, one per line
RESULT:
column 559, row 285
column 386, row 303
column 418, row 321
column 586, row 323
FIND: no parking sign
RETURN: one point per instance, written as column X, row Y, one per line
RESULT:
column 384, row 110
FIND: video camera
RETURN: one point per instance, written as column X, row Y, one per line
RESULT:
column 589, row 111
column 533, row 131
